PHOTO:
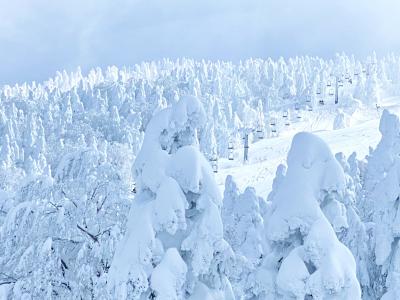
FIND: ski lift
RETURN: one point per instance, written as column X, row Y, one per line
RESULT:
column 297, row 106
column 329, row 84
column 331, row 92
column 321, row 102
column 214, row 163
column 318, row 91
column 230, row 155
column 298, row 116
column 133, row 188
column 260, row 133
column 340, row 83
column 230, row 151
column 287, row 122
column 308, row 99
column 273, row 128
column 309, row 108
column 272, row 124
column 285, row 114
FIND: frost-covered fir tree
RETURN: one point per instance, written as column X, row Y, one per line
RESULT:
column 383, row 194
column 372, row 90
column 380, row 161
column 306, row 258
column 173, row 246
column 244, row 231
column 59, row 237
column 355, row 235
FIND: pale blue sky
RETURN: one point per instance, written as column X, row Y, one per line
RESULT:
column 38, row 37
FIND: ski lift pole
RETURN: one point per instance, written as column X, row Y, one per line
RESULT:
column 336, row 91
column 246, row 148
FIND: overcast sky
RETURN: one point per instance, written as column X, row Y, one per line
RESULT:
column 39, row 37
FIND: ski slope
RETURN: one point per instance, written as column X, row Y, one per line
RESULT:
column 266, row 154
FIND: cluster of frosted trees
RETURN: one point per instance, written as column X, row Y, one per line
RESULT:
column 329, row 229
column 69, row 228
column 236, row 97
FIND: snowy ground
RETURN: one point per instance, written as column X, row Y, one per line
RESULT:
column 265, row 155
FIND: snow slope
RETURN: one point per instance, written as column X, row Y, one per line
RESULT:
column 265, row 155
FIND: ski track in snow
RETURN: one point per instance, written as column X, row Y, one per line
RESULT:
column 265, row 155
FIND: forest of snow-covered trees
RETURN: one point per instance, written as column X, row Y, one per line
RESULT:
column 107, row 187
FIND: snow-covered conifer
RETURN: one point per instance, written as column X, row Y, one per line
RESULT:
column 244, row 231
column 382, row 196
column 307, row 259
column 175, row 220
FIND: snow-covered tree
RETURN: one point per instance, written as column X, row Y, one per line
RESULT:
column 307, row 259
column 382, row 196
column 244, row 231
column 173, row 246
column 372, row 90
column 381, row 160
column 355, row 235
column 59, row 238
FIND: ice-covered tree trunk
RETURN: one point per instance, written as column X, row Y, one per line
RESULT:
column 173, row 246
column 307, row 259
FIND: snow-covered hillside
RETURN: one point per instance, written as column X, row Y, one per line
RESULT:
column 133, row 183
